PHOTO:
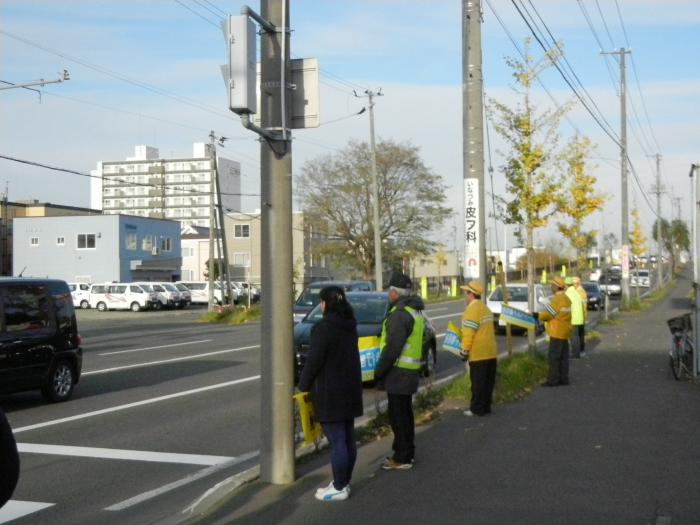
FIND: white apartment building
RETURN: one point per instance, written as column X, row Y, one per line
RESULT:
column 177, row 189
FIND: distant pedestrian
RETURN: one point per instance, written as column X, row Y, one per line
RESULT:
column 557, row 315
column 582, row 327
column 578, row 317
column 479, row 347
column 9, row 461
column 333, row 376
column 398, row 367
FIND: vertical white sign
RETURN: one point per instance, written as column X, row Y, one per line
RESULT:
column 472, row 256
column 625, row 261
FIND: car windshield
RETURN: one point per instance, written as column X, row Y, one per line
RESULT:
column 309, row 297
column 369, row 309
column 169, row 287
column 591, row 287
column 182, row 287
column 147, row 287
column 515, row 294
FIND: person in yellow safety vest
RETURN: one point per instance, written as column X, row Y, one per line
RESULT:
column 479, row 347
column 557, row 315
column 578, row 317
column 582, row 327
column 398, row 367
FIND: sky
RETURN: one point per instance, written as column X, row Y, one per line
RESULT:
column 148, row 73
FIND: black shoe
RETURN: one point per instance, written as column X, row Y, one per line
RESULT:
column 547, row 383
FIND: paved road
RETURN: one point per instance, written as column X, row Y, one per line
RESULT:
column 166, row 408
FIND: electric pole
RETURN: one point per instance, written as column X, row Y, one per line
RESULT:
column 276, row 361
column 378, row 270
column 658, row 190
column 622, row 52
column 473, row 144
column 223, row 257
column 212, row 225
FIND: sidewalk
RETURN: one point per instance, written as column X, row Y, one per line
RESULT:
column 621, row 444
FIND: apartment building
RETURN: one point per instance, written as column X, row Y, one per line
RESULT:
column 179, row 189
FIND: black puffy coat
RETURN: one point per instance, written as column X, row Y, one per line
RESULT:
column 9, row 461
column 332, row 370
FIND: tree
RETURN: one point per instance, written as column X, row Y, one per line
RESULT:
column 638, row 242
column 533, row 191
column 336, row 197
column 674, row 238
column 579, row 200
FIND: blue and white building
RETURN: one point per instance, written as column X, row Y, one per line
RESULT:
column 98, row 248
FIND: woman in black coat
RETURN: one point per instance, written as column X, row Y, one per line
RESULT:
column 333, row 375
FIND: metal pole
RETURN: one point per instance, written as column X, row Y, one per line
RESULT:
column 276, row 360
column 212, row 225
column 659, row 264
column 473, row 144
column 217, row 216
column 694, row 181
column 223, row 256
column 625, row 212
column 375, row 198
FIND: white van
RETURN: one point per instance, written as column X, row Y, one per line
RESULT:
column 200, row 291
column 171, row 294
column 121, row 296
column 80, row 292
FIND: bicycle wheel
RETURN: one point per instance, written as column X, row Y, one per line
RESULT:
column 675, row 359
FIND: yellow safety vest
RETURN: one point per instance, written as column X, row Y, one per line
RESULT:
column 410, row 358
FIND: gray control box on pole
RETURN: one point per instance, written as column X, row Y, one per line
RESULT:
column 242, row 60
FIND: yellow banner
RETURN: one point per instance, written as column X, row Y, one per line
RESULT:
column 309, row 425
column 369, row 355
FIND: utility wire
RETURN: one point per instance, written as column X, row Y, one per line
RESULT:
column 201, row 4
column 196, row 13
column 122, row 181
column 223, row 13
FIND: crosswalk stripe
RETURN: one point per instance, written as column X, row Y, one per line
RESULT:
column 15, row 509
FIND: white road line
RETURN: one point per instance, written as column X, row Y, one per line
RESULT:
column 437, row 309
column 115, row 453
column 456, row 314
column 145, row 496
column 135, row 404
column 164, row 361
column 15, row 509
column 156, row 347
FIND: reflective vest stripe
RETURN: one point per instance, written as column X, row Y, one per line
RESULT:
column 410, row 358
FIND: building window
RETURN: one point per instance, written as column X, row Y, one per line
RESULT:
column 34, row 241
column 241, row 231
column 86, row 241
column 147, row 243
column 131, row 241
column 241, row 259
column 166, row 244
column 60, row 241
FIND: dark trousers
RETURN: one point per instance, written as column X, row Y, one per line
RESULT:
column 558, row 361
column 402, row 424
column 341, row 436
column 578, row 340
column 483, row 378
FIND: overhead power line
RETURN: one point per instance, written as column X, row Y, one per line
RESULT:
column 197, row 14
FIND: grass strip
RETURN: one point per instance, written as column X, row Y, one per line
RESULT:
column 239, row 315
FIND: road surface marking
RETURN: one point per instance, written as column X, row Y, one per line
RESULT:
column 135, row 404
column 156, row 347
column 456, row 314
column 145, row 496
column 437, row 309
column 15, row 509
column 114, row 453
column 164, row 361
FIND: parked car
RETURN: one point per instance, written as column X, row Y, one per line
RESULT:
column 247, row 289
column 185, row 295
column 308, row 299
column 517, row 298
column 200, row 291
column 640, row 278
column 122, row 296
column 80, row 293
column 370, row 309
column 39, row 341
column 611, row 284
column 594, row 293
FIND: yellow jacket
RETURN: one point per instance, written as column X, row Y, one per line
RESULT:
column 584, row 297
column 557, row 315
column 478, row 337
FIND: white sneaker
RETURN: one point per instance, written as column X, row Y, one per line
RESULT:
column 468, row 413
column 330, row 493
column 321, row 489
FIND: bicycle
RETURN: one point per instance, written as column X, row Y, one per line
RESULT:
column 682, row 346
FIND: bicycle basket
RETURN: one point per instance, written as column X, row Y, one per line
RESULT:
column 682, row 323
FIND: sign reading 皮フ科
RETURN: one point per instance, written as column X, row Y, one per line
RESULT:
column 517, row 317
column 472, row 256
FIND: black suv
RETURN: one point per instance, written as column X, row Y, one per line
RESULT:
column 39, row 341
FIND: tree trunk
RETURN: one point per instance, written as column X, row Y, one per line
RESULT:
column 530, row 285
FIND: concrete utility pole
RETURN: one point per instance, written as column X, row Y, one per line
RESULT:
column 658, row 190
column 225, row 275
column 624, row 239
column 378, row 269
column 694, row 229
column 276, row 360
column 473, row 144
column 212, row 225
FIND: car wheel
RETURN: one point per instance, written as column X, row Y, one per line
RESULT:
column 84, row 304
column 430, row 360
column 102, row 307
column 158, row 305
column 60, row 382
column 135, row 307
